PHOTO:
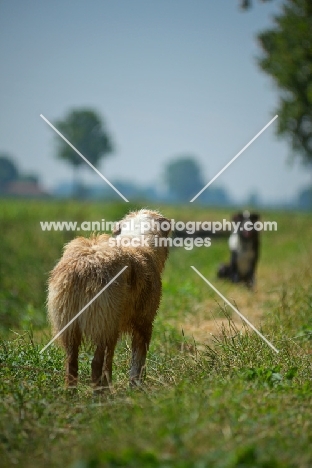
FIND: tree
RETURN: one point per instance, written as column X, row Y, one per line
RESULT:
column 8, row 171
column 183, row 178
column 86, row 131
column 287, row 58
column 305, row 199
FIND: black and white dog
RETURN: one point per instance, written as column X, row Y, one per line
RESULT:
column 244, row 248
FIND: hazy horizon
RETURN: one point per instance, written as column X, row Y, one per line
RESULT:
column 168, row 78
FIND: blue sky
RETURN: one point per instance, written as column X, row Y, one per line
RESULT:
column 170, row 77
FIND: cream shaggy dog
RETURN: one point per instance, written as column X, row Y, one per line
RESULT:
column 128, row 305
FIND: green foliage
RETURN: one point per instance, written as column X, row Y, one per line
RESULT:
column 85, row 130
column 305, row 332
column 183, row 178
column 231, row 403
column 287, row 58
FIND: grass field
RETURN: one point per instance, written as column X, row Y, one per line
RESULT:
column 215, row 394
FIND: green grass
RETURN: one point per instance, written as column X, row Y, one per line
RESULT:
column 215, row 394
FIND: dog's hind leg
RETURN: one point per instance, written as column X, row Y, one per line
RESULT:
column 102, row 364
column 72, row 351
column 140, row 343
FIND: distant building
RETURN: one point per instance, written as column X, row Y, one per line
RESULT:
column 24, row 188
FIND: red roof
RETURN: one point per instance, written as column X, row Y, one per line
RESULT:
column 25, row 188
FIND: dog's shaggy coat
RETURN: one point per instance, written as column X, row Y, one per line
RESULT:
column 128, row 305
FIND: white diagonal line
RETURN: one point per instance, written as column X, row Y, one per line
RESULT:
column 85, row 159
column 235, row 310
column 83, row 309
column 235, row 157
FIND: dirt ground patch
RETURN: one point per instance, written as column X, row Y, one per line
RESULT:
column 208, row 318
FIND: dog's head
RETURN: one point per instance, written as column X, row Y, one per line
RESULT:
column 246, row 227
column 142, row 224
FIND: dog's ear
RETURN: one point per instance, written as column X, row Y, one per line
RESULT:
column 116, row 229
